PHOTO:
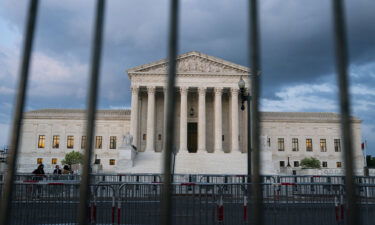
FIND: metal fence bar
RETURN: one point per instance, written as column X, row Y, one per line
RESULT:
column 18, row 113
column 248, row 116
column 166, row 215
column 91, row 105
column 342, row 77
column 256, row 191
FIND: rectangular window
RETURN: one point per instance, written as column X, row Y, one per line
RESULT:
column 309, row 146
column 323, row 145
column 98, row 142
column 338, row 164
column 39, row 160
column 280, row 144
column 112, row 142
column 56, row 141
column 42, row 141
column 324, row 164
column 112, row 162
column 54, row 161
column 296, row 163
column 295, row 147
column 282, row 163
column 83, row 142
column 269, row 142
column 337, row 145
column 70, row 142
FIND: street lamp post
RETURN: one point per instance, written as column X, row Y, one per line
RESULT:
column 245, row 97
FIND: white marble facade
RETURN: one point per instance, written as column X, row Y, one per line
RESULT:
column 210, row 127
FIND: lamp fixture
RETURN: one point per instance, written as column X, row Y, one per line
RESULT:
column 191, row 113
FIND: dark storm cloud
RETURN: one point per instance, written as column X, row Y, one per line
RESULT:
column 296, row 37
column 298, row 40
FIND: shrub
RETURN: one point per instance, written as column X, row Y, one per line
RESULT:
column 72, row 158
column 310, row 162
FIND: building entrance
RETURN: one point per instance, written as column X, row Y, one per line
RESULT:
column 192, row 137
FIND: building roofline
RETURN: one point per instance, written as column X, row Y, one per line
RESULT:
column 137, row 69
column 121, row 114
column 80, row 114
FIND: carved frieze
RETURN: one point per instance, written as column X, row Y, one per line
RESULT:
column 193, row 62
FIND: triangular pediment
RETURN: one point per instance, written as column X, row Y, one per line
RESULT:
column 192, row 62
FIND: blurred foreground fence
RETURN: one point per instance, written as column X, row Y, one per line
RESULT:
column 286, row 202
column 185, row 203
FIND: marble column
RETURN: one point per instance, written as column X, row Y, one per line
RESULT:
column 165, row 117
column 134, row 115
column 218, row 120
column 150, row 143
column 235, row 127
column 183, row 119
column 202, row 119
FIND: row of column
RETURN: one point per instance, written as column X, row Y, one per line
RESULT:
column 218, row 130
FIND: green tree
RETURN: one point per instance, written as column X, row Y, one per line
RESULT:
column 310, row 162
column 72, row 158
column 370, row 161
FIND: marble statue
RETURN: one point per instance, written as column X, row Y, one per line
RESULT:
column 127, row 141
column 126, row 153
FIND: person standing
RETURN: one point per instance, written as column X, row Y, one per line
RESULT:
column 66, row 170
column 57, row 170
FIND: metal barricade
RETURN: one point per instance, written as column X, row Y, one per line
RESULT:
column 44, row 202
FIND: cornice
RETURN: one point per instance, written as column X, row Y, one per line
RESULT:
column 77, row 114
column 191, row 74
column 124, row 114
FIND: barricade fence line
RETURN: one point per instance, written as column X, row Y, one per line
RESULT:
column 188, row 178
column 194, row 203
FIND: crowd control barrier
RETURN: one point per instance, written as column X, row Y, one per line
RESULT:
column 55, row 202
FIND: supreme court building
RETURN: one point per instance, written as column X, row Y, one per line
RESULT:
column 210, row 127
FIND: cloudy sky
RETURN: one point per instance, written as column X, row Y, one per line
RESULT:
column 297, row 51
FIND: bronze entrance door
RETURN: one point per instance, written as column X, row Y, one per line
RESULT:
column 192, row 137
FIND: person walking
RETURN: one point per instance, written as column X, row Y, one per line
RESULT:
column 39, row 170
column 39, row 174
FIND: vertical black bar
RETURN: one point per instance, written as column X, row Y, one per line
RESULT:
column 342, row 77
column 6, row 202
column 255, row 121
column 166, row 210
column 248, row 104
column 91, row 110
column 248, row 114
